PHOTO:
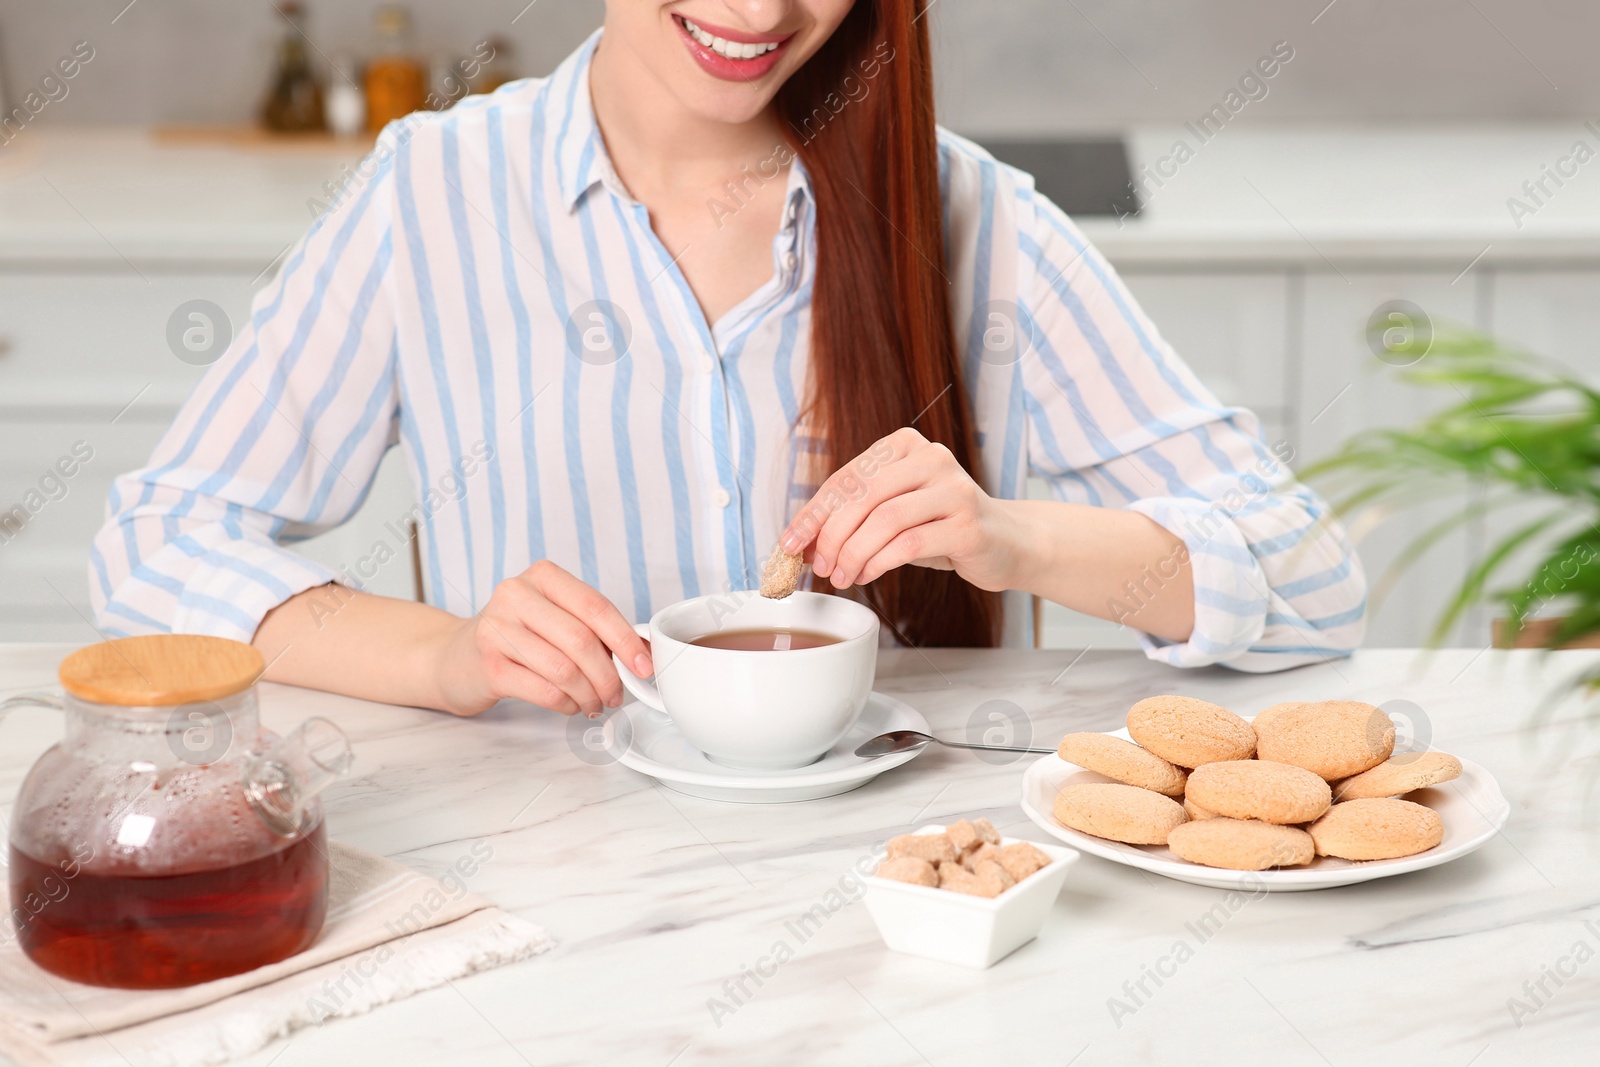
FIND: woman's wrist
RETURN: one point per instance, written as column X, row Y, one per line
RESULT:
column 1028, row 538
column 1089, row 558
column 456, row 679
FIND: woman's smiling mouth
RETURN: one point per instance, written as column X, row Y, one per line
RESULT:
column 729, row 54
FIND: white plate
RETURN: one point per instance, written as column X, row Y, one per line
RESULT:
column 1472, row 807
column 651, row 745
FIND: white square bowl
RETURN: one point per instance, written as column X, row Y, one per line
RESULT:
column 941, row 924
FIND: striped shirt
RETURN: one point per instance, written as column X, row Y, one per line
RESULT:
column 487, row 295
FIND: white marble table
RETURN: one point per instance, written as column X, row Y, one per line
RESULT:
column 661, row 903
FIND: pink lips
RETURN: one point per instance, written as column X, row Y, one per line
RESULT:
column 720, row 66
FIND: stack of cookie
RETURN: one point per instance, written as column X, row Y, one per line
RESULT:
column 1303, row 780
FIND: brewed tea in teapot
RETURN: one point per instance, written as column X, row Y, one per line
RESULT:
column 167, row 839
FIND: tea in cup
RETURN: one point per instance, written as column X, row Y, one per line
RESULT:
column 759, row 684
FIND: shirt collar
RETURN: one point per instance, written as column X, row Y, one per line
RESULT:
column 581, row 159
column 580, row 152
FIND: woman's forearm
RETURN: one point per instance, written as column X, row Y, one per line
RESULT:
column 1113, row 564
column 543, row 637
column 361, row 645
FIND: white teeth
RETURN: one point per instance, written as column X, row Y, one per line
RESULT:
column 730, row 49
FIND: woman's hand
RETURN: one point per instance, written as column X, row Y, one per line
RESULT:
column 544, row 637
column 906, row 500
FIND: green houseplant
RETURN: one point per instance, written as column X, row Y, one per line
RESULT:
column 1526, row 431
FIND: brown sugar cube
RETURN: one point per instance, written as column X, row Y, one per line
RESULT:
column 993, row 876
column 986, row 831
column 930, row 848
column 1021, row 859
column 781, row 575
column 909, row 869
column 958, row 879
column 984, row 851
column 963, row 835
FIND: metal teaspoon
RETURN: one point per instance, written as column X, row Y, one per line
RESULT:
column 911, row 740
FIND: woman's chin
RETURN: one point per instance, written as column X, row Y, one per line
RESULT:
column 718, row 101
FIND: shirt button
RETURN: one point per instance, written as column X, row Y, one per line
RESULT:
column 722, row 498
column 789, row 262
column 708, row 364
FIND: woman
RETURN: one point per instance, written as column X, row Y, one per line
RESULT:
column 717, row 282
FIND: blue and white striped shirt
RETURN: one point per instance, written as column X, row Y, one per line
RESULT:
column 489, row 297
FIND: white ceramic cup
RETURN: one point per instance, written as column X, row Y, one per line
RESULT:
column 760, row 710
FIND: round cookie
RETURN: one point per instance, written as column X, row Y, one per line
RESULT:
column 1333, row 739
column 1118, row 812
column 1259, row 789
column 1195, row 811
column 1124, row 761
column 1376, row 828
column 1400, row 774
column 1190, row 732
column 1241, row 844
column 1264, row 717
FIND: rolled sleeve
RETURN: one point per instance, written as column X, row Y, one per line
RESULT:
column 234, row 585
column 1230, row 588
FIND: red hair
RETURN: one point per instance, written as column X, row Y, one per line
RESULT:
column 882, row 352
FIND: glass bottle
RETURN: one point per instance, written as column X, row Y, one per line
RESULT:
column 396, row 79
column 294, row 101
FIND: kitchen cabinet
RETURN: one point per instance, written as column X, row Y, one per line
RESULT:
column 1345, row 389
column 96, row 340
column 1555, row 313
column 86, row 364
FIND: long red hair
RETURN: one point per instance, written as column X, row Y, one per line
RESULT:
column 882, row 352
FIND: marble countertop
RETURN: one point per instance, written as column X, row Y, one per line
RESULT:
column 661, row 903
column 1321, row 197
column 1337, row 198
column 104, row 196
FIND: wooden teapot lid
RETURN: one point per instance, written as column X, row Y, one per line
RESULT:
column 161, row 670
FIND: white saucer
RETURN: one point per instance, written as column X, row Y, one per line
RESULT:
column 650, row 744
column 1472, row 808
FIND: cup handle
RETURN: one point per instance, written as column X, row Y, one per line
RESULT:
column 642, row 688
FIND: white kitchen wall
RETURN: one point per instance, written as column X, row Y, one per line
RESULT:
column 1020, row 66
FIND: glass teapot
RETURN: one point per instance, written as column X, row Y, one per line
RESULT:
column 167, row 839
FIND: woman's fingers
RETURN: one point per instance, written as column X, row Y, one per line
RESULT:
column 932, row 542
column 850, row 483
column 847, row 514
column 546, row 637
column 584, row 659
column 509, row 677
column 886, row 522
column 586, row 604
column 528, row 647
column 514, row 680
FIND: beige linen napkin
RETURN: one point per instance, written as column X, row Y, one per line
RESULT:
column 390, row 932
